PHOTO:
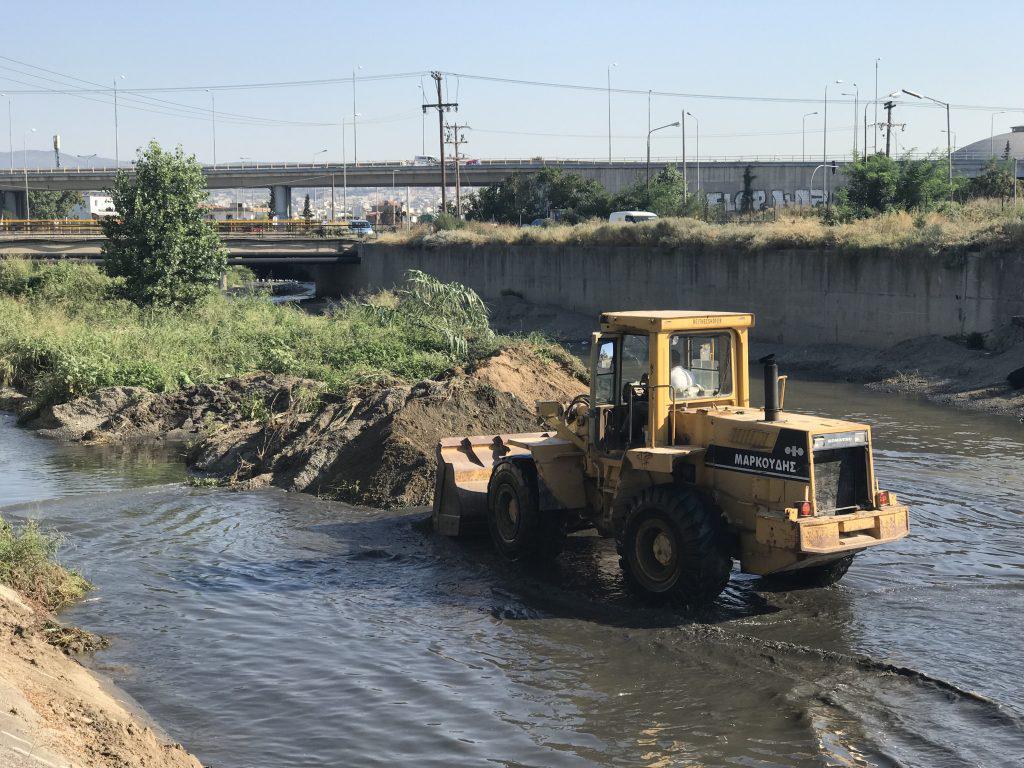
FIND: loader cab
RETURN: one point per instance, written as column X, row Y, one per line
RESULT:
column 646, row 367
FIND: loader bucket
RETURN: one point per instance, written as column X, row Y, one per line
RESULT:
column 464, row 466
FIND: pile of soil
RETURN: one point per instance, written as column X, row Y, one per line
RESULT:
column 377, row 448
column 54, row 712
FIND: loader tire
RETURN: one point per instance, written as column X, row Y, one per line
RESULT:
column 816, row 576
column 673, row 547
column 519, row 528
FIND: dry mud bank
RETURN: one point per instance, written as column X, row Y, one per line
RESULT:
column 374, row 447
column 53, row 712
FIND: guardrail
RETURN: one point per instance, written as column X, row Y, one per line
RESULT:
column 238, row 227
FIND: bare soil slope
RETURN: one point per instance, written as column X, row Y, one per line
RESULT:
column 54, row 712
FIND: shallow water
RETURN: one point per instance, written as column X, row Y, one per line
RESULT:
column 273, row 629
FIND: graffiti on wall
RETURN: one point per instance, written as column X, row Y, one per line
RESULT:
column 775, row 198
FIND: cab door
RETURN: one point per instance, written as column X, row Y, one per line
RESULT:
column 605, row 352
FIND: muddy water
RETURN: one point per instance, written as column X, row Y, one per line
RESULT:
column 266, row 629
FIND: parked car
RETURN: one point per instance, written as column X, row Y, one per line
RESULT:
column 632, row 217
column 361, row 227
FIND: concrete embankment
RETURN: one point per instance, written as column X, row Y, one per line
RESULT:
column 865, row 298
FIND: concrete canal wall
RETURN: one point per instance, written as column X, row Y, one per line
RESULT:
column 873, row 299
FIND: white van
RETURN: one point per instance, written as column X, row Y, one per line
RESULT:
column 425, row 160
column 632, row 217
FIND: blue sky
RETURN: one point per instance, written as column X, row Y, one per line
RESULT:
column 956, row 52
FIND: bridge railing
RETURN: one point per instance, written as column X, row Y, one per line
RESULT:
column 87, row 227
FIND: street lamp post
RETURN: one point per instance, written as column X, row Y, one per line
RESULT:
column 992, row 131
column 344, row 166
column 355, row 139
column 653, row 130
column 117, row 154
column 696, row 123
column 24, row 154
column 213, row 124
column 803, row 137
column 316, row 190
column 824, row 145
column 10, row 129
column 949, row 136
column 856, row 109
column 610, row 66
column 954, row 138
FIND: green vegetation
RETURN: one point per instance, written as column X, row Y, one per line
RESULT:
column 159, row 244
column 52, row 205
column 879, row 183
column 976, row 225
column 27, row 565
column 663, row 196
column 64, row 332
column 521, row 198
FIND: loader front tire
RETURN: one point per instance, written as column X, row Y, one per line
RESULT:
column 519, row 529
column 673, row 547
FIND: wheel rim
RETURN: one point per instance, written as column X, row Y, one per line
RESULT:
column 657, row 551
column 507, row 515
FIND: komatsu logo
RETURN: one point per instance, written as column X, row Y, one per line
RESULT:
column 766, row 463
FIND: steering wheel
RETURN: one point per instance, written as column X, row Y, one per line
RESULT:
column 639, row 390
column 575, row 408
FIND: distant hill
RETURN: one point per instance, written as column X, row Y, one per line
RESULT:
column 40, row 158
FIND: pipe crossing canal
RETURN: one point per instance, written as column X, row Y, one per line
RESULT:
column 274, row 629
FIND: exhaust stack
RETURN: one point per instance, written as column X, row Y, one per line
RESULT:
column 771, row 387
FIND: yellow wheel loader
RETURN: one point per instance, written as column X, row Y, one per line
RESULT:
column 667, row 456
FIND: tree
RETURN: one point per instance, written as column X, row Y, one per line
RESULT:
column 524, row 197
column 879, row 183
column 995, row 180
column 747, row 198
column 52, row 205
column 663, row 196
column 872, row 183
column 271, row 204
column 307, row 211
column 159, row 242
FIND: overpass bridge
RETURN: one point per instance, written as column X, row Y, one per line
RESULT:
column 779, row 179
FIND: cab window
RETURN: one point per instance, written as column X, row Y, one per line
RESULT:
column 635, row 360
column 700, row 365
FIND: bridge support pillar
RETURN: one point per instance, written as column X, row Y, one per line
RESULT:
column 282, row 202
column 12, row 203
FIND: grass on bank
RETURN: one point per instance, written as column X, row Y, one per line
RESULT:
column 983, row 224
column 62, row 336
column 27, row 565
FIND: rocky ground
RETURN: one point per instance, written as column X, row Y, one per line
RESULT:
column 54, row 712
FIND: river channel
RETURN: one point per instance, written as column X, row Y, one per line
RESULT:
column 279, row 630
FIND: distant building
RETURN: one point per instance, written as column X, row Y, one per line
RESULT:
column 1009, row 146
column 93, row 206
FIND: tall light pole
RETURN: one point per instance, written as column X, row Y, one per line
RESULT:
column 10, row 129
column 877, row 59
column 824, row 145
column 696, row 123
column 992, row 131
column 803, row 137
column 117, row 155
column 245, row 190
column 316, row 190
column 213, row 125
column 423, row 121
column 24, row 154
column 654, row 130
column 344, row 166
column 856, row 109
column 610, row 66
column 949, row 135
column 355, row 139
column 954, row 138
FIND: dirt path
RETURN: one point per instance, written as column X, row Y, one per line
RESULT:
column 54, row 713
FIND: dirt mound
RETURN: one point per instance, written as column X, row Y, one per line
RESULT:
column 375, row 449
column 379, row 450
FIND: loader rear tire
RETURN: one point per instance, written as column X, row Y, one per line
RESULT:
column 519, row 528
column 673, row 547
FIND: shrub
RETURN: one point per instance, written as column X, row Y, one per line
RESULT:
column 27, row 564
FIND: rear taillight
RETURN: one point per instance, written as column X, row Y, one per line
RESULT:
column 882, row 499
column 804, row 509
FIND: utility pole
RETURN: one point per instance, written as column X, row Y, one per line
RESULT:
column 441, row 106
column 456, row 137
column 682, row 127
column 889, row 105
